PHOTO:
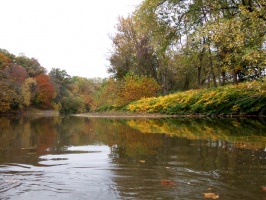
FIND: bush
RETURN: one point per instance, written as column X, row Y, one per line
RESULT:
column 136, row 87
column 72, row 105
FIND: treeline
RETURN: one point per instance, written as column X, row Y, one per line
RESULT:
column 24, row 84
column 192, row 43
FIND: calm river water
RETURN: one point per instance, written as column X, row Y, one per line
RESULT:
column 110, row 158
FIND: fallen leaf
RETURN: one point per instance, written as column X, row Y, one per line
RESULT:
column 211, row 196
column 263, row 188
column 142, row 161
column 166, row 182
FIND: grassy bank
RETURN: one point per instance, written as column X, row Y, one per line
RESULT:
column 242, row 99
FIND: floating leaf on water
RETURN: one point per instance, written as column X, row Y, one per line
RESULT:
column 211, row 196
column 166, row 182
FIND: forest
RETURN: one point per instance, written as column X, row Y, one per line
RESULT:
column 164, row 47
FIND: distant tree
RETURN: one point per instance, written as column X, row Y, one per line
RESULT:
column 12, row 79
column 6, row 97
column 4, row 61
column 106, row 95
column 31, row 65
column 72, row 104
column 61, row 81
column 16, row 73
column 45, row 92
column 28, row 90
column 8, row 54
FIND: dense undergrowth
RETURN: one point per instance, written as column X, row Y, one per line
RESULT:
column 245, row 98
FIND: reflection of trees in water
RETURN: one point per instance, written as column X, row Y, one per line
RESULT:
column 131, row 142
column 244, row 133
column 130, row 138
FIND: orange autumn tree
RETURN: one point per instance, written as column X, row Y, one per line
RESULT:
column 45, row 92
column 4, row 61
column 136, row 87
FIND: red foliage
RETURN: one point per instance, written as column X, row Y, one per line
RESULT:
column 45, row 91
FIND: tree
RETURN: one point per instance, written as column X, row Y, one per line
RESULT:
column 31, row 65
column 28, row 90
column 16, row 73
column 136, row 87
column 45, row 92
column 72, row 104
column 4, row 61
column 61, row 81
column 85, row 88
column 232, row 37
column 6, row 97
column 13, row 77
column 132, row 52
column 239, row 43
column 106, row 96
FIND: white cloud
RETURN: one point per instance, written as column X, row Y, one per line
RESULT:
column 66, row 34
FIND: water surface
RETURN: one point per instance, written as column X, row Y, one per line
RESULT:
column 103, row 158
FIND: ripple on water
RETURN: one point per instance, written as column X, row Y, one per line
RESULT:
column 78, row 173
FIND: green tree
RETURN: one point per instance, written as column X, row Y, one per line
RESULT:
column 132, row 52
column 61, row 80
column 228, row 34
column 72, row 104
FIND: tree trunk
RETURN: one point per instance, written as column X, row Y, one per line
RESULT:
column 186, row 85
column 234, row 73
column 223, row 77
column 212, row 70
column 199, row 77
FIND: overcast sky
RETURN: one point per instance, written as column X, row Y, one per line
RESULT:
column 65, row 34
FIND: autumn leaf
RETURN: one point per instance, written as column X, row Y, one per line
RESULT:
column 167, row 183
column 263, row 188
column 211, row 196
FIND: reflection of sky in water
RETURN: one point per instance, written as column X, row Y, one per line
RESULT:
column 92, row 156
column 82, row 172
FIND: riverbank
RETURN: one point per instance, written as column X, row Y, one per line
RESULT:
column 245, row 99
column 40, row 113
column 118, row 114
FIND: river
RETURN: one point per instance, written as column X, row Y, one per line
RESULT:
column 132, row 158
